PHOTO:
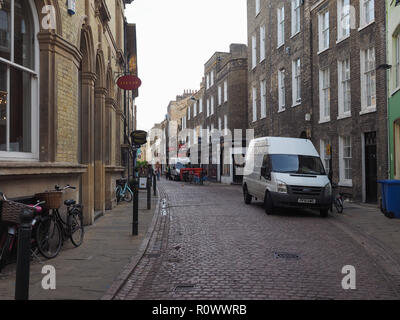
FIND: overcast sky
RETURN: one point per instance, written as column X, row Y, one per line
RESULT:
column 175, row 38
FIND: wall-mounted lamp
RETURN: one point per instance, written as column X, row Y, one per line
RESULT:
column 71, row 6
column 308, row 117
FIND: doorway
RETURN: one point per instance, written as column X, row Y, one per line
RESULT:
column 371, row 189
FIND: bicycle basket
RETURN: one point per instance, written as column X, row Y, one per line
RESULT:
column 53, row 199
column 10, row 211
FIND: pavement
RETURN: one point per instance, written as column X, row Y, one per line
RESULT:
column 208, row 245
column 87, row 272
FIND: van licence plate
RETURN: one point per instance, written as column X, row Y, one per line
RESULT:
column 310, row 201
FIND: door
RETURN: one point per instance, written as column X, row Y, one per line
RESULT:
column 370, row 168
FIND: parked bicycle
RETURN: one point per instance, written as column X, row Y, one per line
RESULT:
column 52, row 230
column 9, row 229
column 123, row 192
column 201, row 180
column 337, row 198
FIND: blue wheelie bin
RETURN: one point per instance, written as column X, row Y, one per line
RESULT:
column 390, row 206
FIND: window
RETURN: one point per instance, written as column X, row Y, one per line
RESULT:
column 195, row 109
column 19, row 130
column 323, row 22
column 212, row 104
column 262, row 43
column 212, row 78
column 367, row 14
column 219, row 124
column 207, row 81
column 368, row 79
column 263, row 94
column 345, row 160
column 344, row 87
column 295, row 16
column 208, row 107
column 254, row 51
column 254, row 104
column 225, row 90
column 281, row 26
column 281, row 90
column 324, row 95
column 323, row 151
column 296, row 72
column 201, row 105
column 219, row 95
column 343, row 19
column 397, row 61
column 189, row 113
column 257, row 7
column 226, row 124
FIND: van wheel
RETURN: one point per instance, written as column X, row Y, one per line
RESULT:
column 247, row 197
column 268, row 205
column 323, row 213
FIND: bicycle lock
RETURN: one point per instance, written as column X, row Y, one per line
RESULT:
column 23, row 256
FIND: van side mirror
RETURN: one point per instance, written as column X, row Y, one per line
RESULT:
column 265, row 173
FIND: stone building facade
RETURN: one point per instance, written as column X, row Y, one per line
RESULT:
column 63, row 114
column 325, row 82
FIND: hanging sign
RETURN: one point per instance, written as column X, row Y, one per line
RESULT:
column 139, row 137
column 129, row 82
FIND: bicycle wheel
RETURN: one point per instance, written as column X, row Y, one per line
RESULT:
column 49, row 238
column 128, row 196
column 75, row 225
column 338, row 205
column 5, row 251
column 118, row 191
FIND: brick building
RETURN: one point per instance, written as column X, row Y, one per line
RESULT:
column 324, row 82
column 63, row 117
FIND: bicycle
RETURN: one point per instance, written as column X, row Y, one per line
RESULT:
column 53, row 231
column 337, row 199
column 123, row 192
column 201, row 180
column 9, row 232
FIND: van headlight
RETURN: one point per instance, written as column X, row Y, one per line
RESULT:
column 282, row 187
column 328, row 190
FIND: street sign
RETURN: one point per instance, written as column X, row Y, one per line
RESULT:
column 129, row 82
column 139, row 138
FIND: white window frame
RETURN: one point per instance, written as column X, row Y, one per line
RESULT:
column 324, row 95
column 225, row 90
column 195, row 109
column 212, row 78
column 364, row 21
column 207, row 80
column 343, row 180
column 323, row 31
column 212, row 104
column 254, row 97
column 281, row 90
column 208, row 107
column 35, row 85
column 219, row 95
column 200, row 105
column 344, row 19
column 397, row 62
column 263, row 98
column 189, row 109
column 225, row 124
column 296, row 17
column 296, row 82
column 344, row 88
column 368, row 90
column 281, row 25
column 262, row 43
column 254, row 51
column 324, row 156
column 219, row 124
column 258, row 7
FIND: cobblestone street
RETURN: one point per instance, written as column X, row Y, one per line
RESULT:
column 207, row 244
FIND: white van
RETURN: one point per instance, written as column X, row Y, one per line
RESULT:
column 286, row 172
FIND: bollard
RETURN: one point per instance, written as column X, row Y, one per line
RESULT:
column 155, row 185
column 24, row 256
column 148, row 184
column 135, row 224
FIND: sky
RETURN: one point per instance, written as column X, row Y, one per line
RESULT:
column 175, row 38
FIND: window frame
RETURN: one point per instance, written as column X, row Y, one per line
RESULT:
column 35, row 85
column 296, row 82
column 263, row 98
column 281, row 26
column 262, row 42
column 343, row 180
column 323, row 31
column 342, row 16
column 365, row 54
column 253, row 51
column 363, row 12
column 225, row 90
column 258, row 7
column 281, row 93
column 254, row 105
column 324, row 95
column 342, row 83
column 296, row 17
column 397, row 61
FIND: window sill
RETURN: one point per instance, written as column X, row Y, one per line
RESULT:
column 281, row 110
column 296, row 104
column 346, row 183
column 293, row 35
column 262, row 60
column 366, row 25
column 342, row 39
column 368, row 110
column 38, row 168
column 263, row 117
column 323, row 50
column 326, row 120
column 343, row 116
column 280, row 46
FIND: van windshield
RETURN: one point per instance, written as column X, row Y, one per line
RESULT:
column 288, row 163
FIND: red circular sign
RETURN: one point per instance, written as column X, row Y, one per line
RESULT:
column 129, row 82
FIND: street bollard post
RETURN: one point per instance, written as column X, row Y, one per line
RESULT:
column 148, row 185
column 24, row 256
column 155, row 185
